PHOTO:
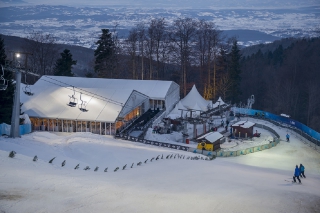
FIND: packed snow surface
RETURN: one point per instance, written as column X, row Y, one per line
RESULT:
column 258, row 182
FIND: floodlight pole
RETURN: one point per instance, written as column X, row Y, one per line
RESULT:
column 15, row 119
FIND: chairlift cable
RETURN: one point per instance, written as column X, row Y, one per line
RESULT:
column 86, row 92
column 92, row 94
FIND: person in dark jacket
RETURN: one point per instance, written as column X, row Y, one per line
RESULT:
column 302, row 171
column 296, row 174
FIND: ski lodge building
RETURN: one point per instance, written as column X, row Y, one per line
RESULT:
column 101, row 106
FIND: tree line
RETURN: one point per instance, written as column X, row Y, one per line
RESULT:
column 188, row 51
column 286, row 80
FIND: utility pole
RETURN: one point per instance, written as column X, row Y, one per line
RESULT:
column 15, row 119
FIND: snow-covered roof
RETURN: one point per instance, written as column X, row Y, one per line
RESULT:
column 105, row 97
column 211, row 136
column 244, row 124
column 219, row 101
column 193, row 98
column 176, row 112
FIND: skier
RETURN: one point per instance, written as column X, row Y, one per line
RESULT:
column 302, row 171
column 222, row 123
column 296, row 175
column 288, row 137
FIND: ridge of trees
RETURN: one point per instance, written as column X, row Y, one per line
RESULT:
column 286, row 80
column 283, row 75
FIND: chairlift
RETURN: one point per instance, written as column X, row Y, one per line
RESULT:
column 83, row 104
column 3, row 81
column 72, row 101
column 27, row 89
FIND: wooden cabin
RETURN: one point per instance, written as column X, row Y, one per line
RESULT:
column 210, row 141
column 243, row 129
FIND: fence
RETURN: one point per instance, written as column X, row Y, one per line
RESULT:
column 301, row 129
column 5, row 129
column 247, row 150
column 156, row 143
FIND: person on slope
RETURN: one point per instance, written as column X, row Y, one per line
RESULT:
column 302, row 171
column 296, row 174
column 288, row 137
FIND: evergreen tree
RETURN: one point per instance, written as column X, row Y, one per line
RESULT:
column 6, row 96
column 64, row 64
column 234, row 73
column 105, row 57
column 3, row 55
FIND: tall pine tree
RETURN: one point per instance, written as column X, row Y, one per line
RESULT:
column 6, row 96
column 63, row 66
column 105, row 57
column 234, row 73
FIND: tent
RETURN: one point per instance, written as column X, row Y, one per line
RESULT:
column 194, row 99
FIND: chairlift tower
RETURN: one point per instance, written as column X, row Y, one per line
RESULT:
column 250, row 102
column 15, row 118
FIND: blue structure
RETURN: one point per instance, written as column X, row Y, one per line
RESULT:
column 280, row 119
column 5, row 129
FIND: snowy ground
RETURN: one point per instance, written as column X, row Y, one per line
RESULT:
column 259, row 182
column 232, row 145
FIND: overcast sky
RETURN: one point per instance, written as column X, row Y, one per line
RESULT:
column 181, row 3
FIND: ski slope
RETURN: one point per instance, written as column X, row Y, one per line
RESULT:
column 259, row 182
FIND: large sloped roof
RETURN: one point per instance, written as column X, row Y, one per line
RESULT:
column 244, row 124
column 211, row 136
column 105, row 97
column 194, row 99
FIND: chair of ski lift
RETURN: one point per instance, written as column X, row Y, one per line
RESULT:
column 83, row 106
column 27, row 89
column 3, row 81
column 72, row 101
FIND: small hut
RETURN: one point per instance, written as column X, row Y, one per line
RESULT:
column 210, row 141
column 243, row 129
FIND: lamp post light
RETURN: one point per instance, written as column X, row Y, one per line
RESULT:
column 15, row 118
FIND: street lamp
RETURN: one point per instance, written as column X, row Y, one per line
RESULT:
column 15, row 118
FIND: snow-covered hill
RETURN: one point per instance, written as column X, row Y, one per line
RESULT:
column 259, row 182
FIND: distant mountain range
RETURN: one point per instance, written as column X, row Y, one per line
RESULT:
column 176, row 3
column 82, row 25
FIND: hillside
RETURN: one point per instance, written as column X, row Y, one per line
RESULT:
column 285, row 79
column 259, row 182
column 84, row 56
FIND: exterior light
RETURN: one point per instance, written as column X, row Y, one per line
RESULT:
column 18, row 55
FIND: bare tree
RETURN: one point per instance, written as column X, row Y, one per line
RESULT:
column 156, row 36
column 141, row 31
column 208, row 38
column 224, row 85
column 182, row 37
column 44, row 52
column 131, row 49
